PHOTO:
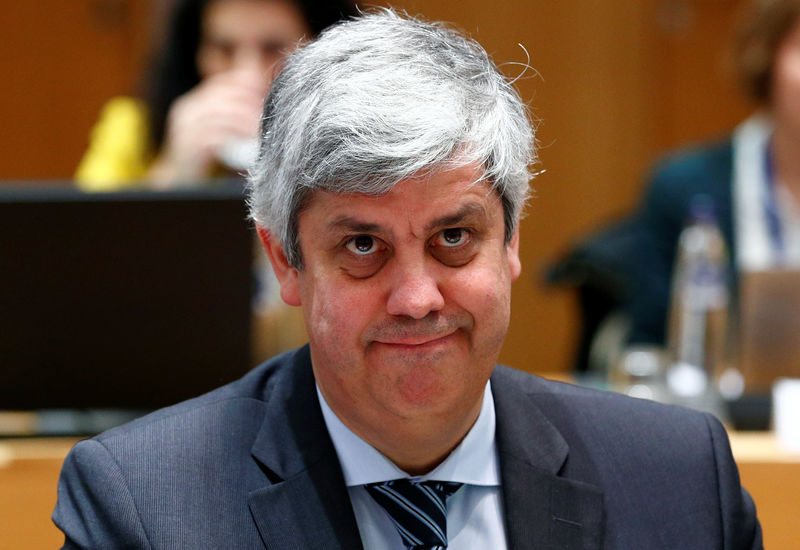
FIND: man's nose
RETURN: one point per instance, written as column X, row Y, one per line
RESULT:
column 415, row 291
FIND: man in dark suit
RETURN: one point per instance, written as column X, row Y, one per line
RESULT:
column 392, row 172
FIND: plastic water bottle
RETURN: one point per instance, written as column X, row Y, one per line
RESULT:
column 698, row 319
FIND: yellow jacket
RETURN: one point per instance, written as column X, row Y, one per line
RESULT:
column 120, row 150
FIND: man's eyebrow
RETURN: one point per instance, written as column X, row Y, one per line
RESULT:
column 350, row 224
column 467, row 211
column 354, row 225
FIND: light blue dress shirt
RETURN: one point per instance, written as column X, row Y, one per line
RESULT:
column 474, row 513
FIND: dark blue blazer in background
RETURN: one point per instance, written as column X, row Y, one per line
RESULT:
column 251, row 465
column 659, row 220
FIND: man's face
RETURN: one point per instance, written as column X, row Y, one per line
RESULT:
column 406, row 298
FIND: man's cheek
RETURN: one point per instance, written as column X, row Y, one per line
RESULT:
column 333, row 318
column 480, row 290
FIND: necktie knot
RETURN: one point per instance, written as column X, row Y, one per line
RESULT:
column 418, row 509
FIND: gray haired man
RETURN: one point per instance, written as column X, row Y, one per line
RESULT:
column 393, row 168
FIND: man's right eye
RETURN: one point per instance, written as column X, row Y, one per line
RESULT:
column 362, row 245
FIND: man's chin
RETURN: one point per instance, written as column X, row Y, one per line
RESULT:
column 429, row 388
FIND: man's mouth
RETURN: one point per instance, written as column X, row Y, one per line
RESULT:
column 417, row 340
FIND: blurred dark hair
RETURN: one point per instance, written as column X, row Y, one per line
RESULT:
column 762, row 27
column 173, row 70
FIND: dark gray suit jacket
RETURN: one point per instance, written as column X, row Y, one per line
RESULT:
column 251, row 465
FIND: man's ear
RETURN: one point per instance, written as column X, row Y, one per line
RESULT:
column 286, row 274
column 512, row 251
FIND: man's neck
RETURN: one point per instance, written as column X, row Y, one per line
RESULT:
column 423, row 449
column 416, row 445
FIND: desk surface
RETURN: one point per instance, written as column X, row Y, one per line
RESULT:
column 759, row 448
column 29, row 471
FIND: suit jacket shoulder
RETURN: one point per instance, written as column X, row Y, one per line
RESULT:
column 132, row 486
column 205, row 473
column 678, row 178
column 624, row 472
column 704, row 162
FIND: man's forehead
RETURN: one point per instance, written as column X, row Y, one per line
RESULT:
column 426, row 203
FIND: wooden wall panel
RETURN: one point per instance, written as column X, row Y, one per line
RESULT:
column 697, row 97
column 61, row 61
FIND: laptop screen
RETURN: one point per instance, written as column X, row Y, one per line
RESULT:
column 769, row 327
column 122, row 300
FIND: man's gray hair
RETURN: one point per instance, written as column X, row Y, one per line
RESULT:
column 379, row 99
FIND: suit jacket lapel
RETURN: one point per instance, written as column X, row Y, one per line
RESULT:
column 307, row 505
column 542, row 509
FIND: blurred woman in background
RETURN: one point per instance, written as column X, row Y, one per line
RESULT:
column 200, row 116
column 753, row 176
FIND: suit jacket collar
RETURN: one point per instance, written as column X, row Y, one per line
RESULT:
column 307, row 505
column 542, row 509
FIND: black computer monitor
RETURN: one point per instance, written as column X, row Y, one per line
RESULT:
column 128, row 300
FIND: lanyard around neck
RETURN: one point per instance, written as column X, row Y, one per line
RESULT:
column 771, row 212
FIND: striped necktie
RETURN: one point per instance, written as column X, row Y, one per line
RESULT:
column 418, row 510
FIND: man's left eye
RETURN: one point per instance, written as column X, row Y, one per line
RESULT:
column 362, row 245
column 455, row 236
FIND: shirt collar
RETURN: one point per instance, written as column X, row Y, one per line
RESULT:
column 473, row 461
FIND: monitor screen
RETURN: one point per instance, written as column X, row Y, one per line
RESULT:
column 122, row 300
